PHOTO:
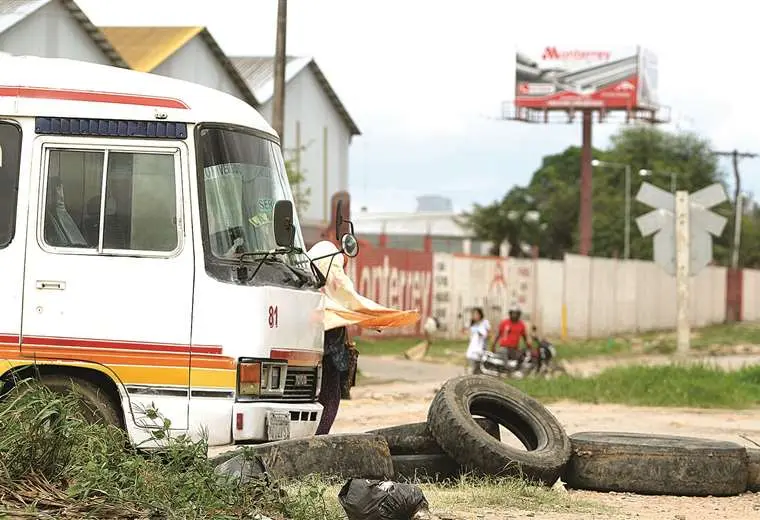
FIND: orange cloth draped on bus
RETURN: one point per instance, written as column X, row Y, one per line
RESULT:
column 344, row 306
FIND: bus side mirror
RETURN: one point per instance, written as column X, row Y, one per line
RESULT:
column 349, row 246
column 282, row 220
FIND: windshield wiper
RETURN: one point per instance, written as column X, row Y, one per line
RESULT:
column 242, row 269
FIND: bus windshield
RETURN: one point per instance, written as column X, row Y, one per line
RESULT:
column 242, row 177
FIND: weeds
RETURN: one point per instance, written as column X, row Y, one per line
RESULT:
column 53, row 463
column 693, row 385
column 715, row 337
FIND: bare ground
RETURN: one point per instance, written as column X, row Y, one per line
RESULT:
column 399, row 391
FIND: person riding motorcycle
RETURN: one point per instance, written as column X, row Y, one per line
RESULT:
column 511, row 330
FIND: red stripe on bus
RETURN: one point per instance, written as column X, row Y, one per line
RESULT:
column 92, row 97
column 30, row 341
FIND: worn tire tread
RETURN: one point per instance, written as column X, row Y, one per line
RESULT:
column 656, row 464
column 453, row 427
column 341, row 455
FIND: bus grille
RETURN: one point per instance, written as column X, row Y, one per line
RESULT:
column 300, row 385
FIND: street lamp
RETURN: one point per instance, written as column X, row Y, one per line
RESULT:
column 627, row 167
column 673, row 175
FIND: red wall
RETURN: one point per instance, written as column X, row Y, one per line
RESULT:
column 395, row 278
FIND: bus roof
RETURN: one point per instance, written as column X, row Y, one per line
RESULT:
column 33, row 86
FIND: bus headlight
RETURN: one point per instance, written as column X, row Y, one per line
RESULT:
column 261, row 378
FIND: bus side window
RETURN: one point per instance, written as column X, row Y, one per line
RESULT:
column 10, row 160
column 140, row 208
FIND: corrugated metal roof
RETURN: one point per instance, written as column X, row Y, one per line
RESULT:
column 257, row 70
column 145, row 48
column 13, row 11
column 259, row 73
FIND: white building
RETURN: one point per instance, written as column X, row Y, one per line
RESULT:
column 424, row 230
column 53, row 29
column 317, row 131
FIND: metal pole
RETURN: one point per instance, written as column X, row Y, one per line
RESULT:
column 682, row 271
column 627, row 246
column 737, row 232
column 737, row 210
column 585, row 215
column 278, row 101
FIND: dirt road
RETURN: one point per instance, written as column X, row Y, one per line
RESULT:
column 413, row 385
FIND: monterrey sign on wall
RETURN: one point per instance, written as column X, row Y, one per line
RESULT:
column 565, row 76
column 395, row 278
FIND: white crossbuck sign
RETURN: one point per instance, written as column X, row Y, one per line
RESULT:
column 703, row 225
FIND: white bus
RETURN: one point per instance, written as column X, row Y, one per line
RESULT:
column 142, row 258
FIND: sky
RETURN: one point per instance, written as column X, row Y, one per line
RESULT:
column 425, row 79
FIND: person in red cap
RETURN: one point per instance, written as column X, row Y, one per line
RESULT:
column 511, row 331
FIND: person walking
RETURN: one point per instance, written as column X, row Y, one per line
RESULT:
column 479, row 331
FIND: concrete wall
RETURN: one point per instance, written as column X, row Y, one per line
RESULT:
column 604, row 296
column 751, row 295
column 51, row 32
column 598, row 297
column 195, row 62
column 324, row 158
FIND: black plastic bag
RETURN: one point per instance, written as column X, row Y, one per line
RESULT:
column 382, row 500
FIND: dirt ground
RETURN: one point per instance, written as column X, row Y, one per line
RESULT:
column 399, row 391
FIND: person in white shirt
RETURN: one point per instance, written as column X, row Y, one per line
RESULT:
column 479, row 332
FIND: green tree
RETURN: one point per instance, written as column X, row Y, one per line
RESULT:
column 554, row 189
column 511, row 220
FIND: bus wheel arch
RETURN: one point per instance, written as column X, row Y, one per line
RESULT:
column 99, row 390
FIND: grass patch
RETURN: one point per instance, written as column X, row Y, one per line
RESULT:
column 54, row 464
column 705, row 339
column 693, row 386
column 470, row 495
column 396, row 346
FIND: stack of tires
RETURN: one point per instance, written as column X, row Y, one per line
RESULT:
column 461, row 435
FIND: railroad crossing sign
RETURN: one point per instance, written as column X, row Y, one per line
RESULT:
column 703, row 225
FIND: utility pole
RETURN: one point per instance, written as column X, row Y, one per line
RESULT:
column 735, row 156
column 278, row 103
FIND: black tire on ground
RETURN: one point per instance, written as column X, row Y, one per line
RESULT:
column 343, row 455
column 452, row 425
column 416, row 439
column 753, row 479
column 425, row 468
column 96, row 406
column 650, row 464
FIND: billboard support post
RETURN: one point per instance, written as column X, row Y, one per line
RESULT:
column 585, row 226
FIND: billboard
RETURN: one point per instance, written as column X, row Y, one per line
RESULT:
column 612, row 78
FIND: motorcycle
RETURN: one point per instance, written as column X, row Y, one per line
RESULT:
column 546, row 364
column 491, row 364
column 541, row 363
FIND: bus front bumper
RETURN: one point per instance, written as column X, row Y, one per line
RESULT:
column 267, row 421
